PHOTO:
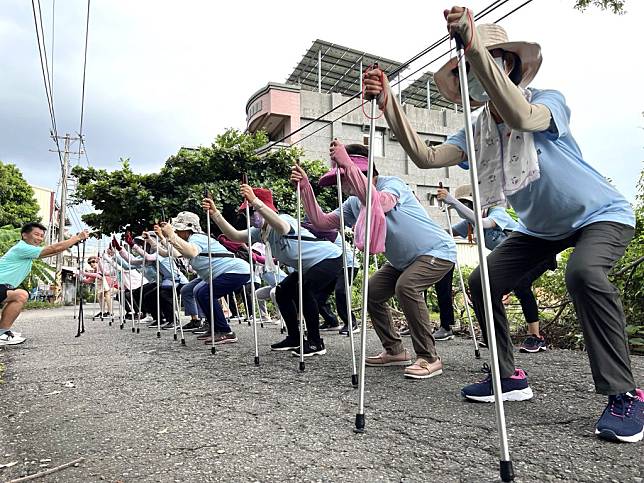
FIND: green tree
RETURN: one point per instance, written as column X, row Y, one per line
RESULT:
column 616, row 6
column 124, row 197
column 17, row 203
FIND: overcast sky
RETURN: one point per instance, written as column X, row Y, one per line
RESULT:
column 166, row 74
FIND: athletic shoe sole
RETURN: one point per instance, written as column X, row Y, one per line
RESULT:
column 532, row 351
column 449, row 337
column 389, row 364
column 310, row 354
column 427, row 376
column 283, row 349
column 330, row 329
column 610, row 435
column 518, row 395
column 225, row 341
column 3, row 343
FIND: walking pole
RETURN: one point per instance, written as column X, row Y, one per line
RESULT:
column 277, row 281
column 76, row 279
column 505, row 464
column 174, row 298
column 300, row 296
column 121, row 292
column 98, row 253
column 138, row 322
column 213, row 350
column 477, row 352
column 129, row 274
column 81, row 312
column 158, row 291
column 78, row 332
column 360, row 416
column 347, row 289
column 251, row 262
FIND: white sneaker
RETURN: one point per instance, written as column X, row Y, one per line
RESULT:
column 9, row 338
column 146, row 320
column 17, row 334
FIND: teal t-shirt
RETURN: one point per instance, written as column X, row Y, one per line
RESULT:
column 16, row 264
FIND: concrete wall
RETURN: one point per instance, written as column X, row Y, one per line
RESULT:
column 434, row 125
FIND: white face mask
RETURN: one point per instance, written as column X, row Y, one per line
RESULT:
column 474, row 87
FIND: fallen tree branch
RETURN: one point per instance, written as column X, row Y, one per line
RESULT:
column 626, row 268
column 47, row 472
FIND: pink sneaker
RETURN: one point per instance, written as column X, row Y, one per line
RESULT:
column 422, row 369
column 385, row 359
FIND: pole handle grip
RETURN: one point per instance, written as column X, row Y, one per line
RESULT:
column 459, row 41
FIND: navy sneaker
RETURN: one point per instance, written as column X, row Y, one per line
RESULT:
column 533, row 344
column 623, row 418
column 513, row 388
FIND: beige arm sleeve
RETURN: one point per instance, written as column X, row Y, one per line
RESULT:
column 423, row 156
column 271, row 217
column 185, row 248
column 227, row 229
column 508, row 100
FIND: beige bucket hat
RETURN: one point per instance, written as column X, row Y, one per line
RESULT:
column 491, row 36
column 463, row 192
column 186, row 221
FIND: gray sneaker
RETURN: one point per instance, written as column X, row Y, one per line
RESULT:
column 442, row 334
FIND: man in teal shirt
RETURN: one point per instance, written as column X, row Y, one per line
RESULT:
column 15, row 265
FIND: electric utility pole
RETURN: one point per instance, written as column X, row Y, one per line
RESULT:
column 64, row 175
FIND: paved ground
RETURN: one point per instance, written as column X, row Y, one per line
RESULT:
column 141, row 409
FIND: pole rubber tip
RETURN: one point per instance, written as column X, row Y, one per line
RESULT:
column 302, row 366
column 354, row 380
column 138, row 331
column 183, row 341
column 257, row 360
column 175, row 336
column 158, row 335
column 359, row 424
column 213, row 351
column 506, row 470
column 477, row 354
column 133, row 330
column 121, row 326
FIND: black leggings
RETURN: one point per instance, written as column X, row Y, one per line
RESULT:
column 318, row 283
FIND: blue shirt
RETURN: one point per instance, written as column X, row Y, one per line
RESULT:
column 285, row 249
column 220, row 265
column 16, row 264
column 570, row 194
column 493, row 236
column 351, row 263
column 411, row 233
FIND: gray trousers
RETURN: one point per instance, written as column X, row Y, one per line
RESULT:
column 409, row 286
column 597, row 247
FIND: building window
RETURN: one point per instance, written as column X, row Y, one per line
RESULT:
column 378, row 142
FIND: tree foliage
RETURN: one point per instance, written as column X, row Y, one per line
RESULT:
column 124, row 197
column 615, row 6
column 17, row 203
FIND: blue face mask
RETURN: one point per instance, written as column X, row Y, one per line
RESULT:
column 474, row 87
column 256, row 220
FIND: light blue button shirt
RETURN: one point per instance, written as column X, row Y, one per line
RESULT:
column 285, row 249
column 410, row 231
column 570, row 194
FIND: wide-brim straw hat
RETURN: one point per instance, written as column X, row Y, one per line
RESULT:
column 492, row 36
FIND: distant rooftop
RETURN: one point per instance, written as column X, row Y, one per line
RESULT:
column 339, row 70
column 331, row 67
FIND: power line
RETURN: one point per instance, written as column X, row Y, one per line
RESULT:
column 392, row 85
column 44, row 67
column 487, row 10
column 80, row 131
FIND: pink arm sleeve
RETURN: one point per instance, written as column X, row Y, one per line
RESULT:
column 319, row 219
column 358, row 182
